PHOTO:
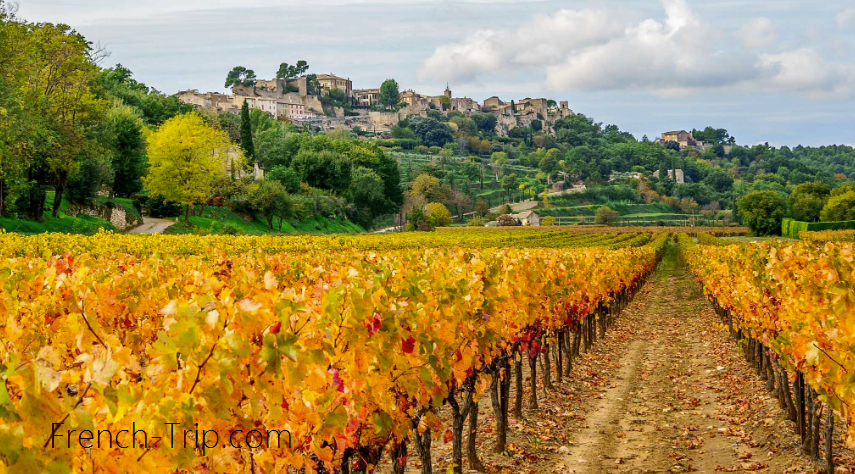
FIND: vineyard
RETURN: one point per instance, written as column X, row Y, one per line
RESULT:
column 347, row 345
column 790, row 306
column 358, row 354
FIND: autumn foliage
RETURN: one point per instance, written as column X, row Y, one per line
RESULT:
column 344, row 342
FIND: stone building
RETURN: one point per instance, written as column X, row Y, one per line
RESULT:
column 331, row 81
column 367, row 97
column 680, row 176
column 209, row 100
column 682, row 137
column 530, row 218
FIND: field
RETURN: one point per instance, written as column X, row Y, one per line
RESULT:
column 377, row 353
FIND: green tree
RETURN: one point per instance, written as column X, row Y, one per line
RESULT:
column 289, row 72
column 325, row 169
column 509, row 183
column 185, row 157
column 486, row 122
column 124, row 137
column 840, row 207
column 389, row 96
column 366, row 193
column 719, row 181
column 267, row 199
column 807, row 200
column 762, row 211
column 246, row 133
column 240, row 76
column 286, row 176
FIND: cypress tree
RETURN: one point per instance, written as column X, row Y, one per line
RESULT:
column 246, row 133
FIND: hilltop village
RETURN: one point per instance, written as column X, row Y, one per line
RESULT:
column 327, row 101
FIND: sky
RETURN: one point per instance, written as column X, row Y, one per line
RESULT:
column 776, row 71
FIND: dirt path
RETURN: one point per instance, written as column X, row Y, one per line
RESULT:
column 683, row 399
column 152, row 225
column 666, row 391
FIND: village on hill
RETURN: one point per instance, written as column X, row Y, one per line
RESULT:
column 328, row 101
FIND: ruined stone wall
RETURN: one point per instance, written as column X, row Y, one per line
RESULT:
column 117, row 215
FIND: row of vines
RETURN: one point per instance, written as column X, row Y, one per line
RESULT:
column 161, row 349
column 792, row 308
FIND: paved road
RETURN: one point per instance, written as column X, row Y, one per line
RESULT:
column 152, row 225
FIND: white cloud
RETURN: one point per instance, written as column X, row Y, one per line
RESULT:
column 846, row 17
column 539, row 42
column 591, row 50
column 804, row 70
column 758, row 33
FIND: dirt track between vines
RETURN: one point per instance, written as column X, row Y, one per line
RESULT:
column 666, row 391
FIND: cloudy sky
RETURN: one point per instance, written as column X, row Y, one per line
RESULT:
column 781, row 71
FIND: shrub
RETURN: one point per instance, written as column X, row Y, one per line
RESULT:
column 157, row 207
column 507, row 220
column 606, row 216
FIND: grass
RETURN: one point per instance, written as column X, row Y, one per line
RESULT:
column 220, row 220
column 82, row 224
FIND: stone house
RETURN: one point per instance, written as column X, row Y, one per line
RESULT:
column 367, row 97
column 530, row 218
column 331, row 81
column 682, row 137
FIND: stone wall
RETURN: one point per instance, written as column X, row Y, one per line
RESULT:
column 117, row 215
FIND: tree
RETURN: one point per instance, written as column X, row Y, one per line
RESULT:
column 267, row 198
column 719, row 181
column 445, row 102
column 437, row 215
column 549, row 162
column 240, row 76
column 672, row 145
column 325, row 169
column 536, row 125
column 389, row 95
column 402, row 133
column 762, row 211
column 509, row 183
column 85, row 182
column 286, row 176
column 513, row 107
column 431, row 132
column 366, row 193
column 807, row 200
column 840, row 207
column 548, row 221
column 246, row 133
column 124, row 137
column 289, row 72
column 185, row 157
column 606, row 216
column 430, row 188
column 486, row 122
column 481, row 207
column 551, row 104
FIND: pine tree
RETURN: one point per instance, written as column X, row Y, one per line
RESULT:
column 246, row 133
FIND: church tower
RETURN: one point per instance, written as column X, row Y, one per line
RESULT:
column 447, row 91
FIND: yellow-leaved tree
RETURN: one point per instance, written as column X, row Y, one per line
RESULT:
column 185, row 157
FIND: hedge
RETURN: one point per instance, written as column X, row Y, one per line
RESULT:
column 791, row 227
